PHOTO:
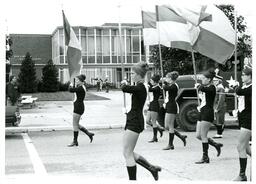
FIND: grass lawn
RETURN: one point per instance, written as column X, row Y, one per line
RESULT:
column 62, row 96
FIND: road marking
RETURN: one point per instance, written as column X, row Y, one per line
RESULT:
column 34, row 157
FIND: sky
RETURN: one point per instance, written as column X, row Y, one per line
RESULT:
column 43, row 16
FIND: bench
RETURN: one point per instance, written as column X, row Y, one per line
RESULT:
column 28, row 101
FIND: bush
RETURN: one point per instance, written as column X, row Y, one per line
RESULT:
column 63, row 87
column 39, row 86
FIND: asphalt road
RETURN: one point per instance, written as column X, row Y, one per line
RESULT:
column 46, row 153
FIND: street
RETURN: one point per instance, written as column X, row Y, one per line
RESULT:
column 103, row 157
column 39, row 146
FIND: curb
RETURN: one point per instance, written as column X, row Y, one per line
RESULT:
column 58, row 128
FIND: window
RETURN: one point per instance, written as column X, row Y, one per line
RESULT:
column 84, row 45
column 106, row 49
column 91, row 45
column 136, row 44
column 61, row 46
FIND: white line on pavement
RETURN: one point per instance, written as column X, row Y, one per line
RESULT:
column 34, row 157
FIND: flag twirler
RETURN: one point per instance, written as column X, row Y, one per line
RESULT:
column 74, row 50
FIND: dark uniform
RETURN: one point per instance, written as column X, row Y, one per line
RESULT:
column 135, row 119
column 154, row 105
column 245, row 106
column 172, row 106
column 79, row 98
column 207, row 95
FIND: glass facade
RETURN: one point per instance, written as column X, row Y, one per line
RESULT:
column 101, row 50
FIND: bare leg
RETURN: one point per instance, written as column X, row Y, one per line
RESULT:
column 169, row 123
column 153, row 116
column 129, row 142
column 243, row 142
column 76, row 119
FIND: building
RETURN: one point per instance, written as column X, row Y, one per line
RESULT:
column 101, row 53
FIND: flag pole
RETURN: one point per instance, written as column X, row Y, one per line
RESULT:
column 160, row 52
column 146, row 55
column 235, row 14
column 195, row 76
column 121, row 50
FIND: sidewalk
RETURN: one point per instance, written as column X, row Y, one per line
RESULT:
column 57, row 115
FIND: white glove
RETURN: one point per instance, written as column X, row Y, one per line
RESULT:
column 233, row 84
column 197, row 85
column 124, row 110
column 164, row 105
column 124, row 82
column 226, row 90
column 234, row 113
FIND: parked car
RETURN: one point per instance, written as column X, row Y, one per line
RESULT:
column 12, row 116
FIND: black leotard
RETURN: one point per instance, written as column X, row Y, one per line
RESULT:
column 135, row 119
column 245, row 106
column 208, row 94
column 172, row 106
column 154, row 105
column 79, row 98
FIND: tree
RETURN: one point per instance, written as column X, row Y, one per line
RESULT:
column 27, row 75
column 50, row 77
column 181, row 61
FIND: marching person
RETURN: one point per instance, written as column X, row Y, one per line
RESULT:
column 153, row 110
column 219, row 106
column 79, row 89
column 207, row 93
column 13, row 92
column 172, row 109
column 135, row 122
column 245, row 120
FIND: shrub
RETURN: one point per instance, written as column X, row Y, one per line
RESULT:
column 63, row 86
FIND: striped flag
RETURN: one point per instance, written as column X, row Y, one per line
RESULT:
column 216, row 39
column 74, row 50
column 150, row 32
column 175, row 29
column 192, row 13
column 164, row 37
column 210, row 31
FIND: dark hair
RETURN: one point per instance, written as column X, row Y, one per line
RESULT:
column 210, row 73
column 155, row 78
column 173, row 75
column 81, row 77
column 141, row 68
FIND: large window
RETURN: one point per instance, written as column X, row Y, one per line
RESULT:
column 106, row 49
column 99, row 48
column 55, row 48
column 83, row 42
column 61, row 46
column 128, row 46
column 91, row 46
column 106, row 46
